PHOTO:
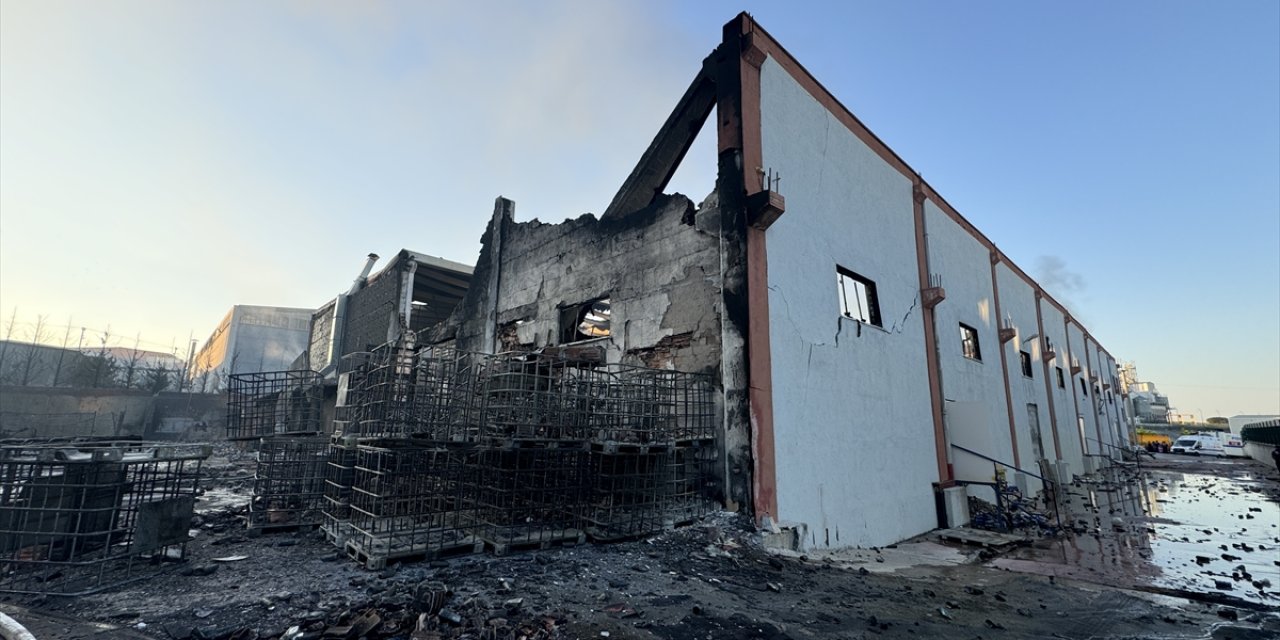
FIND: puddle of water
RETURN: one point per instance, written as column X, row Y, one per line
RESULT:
column 217, row 498
column 1214, row 532
column 1167, row 529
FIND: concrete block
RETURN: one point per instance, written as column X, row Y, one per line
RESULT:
column 956, row 502
column 1023, row 482
column 788, row 536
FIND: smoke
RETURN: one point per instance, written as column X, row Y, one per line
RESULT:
column 1066, row 286
column 1054, row 275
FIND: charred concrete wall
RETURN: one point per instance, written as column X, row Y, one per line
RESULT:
column 370, row 312
column 659, row 268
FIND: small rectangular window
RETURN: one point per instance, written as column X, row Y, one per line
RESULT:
column 858, row 299
column 969, row 342
column 1062, row 379
column 1084, row 387
column 1026, row 364
column 585, row 321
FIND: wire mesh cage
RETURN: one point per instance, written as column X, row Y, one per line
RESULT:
column 530, row 497
column 340, row 472
column 627, row 494
column 408, row 499
column 437, row 449
column 289, row 483
column 78, row 517
column 273, row 403
column 690, row 483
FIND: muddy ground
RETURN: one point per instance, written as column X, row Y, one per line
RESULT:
column 1121, row 573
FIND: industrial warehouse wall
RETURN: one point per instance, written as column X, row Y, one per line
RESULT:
column 1083, row 390
column 853, row 426
column 1028, row 395
column 974, row 405
column 1070, row 438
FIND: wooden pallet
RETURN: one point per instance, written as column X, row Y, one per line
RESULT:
column 613, row 447
column 535, row 542
column 379, row 560
column 336, row 533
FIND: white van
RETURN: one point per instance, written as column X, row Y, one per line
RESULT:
column 1208, row 444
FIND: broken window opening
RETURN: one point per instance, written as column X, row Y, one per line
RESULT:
column 858, row 299
column 969, row 342
column 585, row 321
column 1026, row 364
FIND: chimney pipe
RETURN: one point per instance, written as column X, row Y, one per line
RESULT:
column 364, row 274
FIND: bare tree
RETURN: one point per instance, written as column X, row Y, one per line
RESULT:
column 8, row 339
column 30, row 363
column 131, row 363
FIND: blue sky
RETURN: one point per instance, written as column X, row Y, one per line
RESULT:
column 160, row 162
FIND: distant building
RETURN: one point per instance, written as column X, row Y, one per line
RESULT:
column 143, row 359
column 25, row 364
column 249, row 339
column 1235, row 423
column 413, row 292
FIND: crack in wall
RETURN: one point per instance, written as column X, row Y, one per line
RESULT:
column 901, row 324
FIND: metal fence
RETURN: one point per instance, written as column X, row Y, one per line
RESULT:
column 78, row 517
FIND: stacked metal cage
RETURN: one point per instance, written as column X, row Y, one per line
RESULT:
column 281, row 412
column 289, row 482
column 514, row 450
column 409, row 500
column 273, row 403
column 80, row 516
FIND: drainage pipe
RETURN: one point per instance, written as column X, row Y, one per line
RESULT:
column 11, row 630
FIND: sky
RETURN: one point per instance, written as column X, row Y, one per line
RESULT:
column 161, row 162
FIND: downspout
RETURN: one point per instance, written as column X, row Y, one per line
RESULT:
column 930, row 296
column 1075, row 399
column 336, row 337
column 1048, row 384
column 1004, row 361
column 405, row 318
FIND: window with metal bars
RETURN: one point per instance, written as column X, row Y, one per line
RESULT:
column 858, row 299
column 969, row 342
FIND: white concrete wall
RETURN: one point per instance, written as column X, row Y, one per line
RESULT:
column 1064, row 408
column 1083, row 399
column 1018, row 306
column 974, row 406
column 852, row 420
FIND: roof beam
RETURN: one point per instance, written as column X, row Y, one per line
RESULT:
column 668, row 148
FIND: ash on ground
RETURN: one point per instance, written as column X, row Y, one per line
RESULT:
column 713, row 579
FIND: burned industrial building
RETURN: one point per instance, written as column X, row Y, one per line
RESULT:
column 846, row 360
